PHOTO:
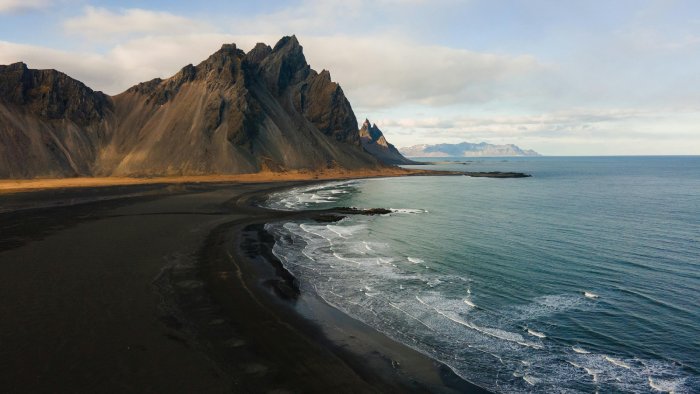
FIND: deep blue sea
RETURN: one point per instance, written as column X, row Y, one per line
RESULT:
column 583, row 278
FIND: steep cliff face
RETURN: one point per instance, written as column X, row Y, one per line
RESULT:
column 232, row 113
column 50, row 124
column 235, row 113
column 374, row 142
column 304, row 91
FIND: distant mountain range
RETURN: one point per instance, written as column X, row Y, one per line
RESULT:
column 235, row 112
column 375, row 143
column 465, row 149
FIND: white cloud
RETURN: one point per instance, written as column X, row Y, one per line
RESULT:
column 384, row 71
column 101, row 23
column 122, row 66
column 7, row 6
column 128, row 63
column 575, row 131
column 93, row 69
column 376, row 71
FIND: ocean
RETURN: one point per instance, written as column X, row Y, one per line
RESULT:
column 583, row 278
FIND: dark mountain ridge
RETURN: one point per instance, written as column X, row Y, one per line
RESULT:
column 375, row 143
column 235, row 112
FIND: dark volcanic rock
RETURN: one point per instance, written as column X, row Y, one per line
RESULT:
column 232, row 113
column 51, row 94
column 50, row 124
column 316, row 95
column 360, row 211
column 374, row 142
column 320, row 100
column 285, row 65
column 497, row 174
column 333, row 215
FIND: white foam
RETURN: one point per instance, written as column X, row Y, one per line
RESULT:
column 339, row 257
column 302, row 197
column 579, row 350
column 492, row 332
column 448, row 327
column 590, row 295
column 415, row 260
column 617, row 362
column 345, row 231
column 592, row 373
column 536, row 333
column 411, row 316
column 574, row 364
column 665, row 386
column 407, row 210
column 545, row 306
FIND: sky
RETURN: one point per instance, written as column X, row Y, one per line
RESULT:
column 570, row 77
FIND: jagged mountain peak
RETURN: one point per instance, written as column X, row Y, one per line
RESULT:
column 285, row 65
column 258, row 53
column 16, row 66
column 374, row 142
column 231, row 113
column 289, row 42
column 227, row 53
column 51, row 93
column 228, row 48
column 371, row 131
column 325, row 74
column 187, row 73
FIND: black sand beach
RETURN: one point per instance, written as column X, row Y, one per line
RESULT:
column 158, row 288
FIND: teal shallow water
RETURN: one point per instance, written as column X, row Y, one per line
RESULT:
column 583, row 278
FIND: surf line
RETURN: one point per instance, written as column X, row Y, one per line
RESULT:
column 411, row 316
column 478, row 329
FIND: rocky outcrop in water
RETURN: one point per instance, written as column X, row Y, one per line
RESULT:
column 235, row 112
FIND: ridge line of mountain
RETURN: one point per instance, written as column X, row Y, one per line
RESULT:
column 233, row 113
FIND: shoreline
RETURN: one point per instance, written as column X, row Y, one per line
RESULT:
column 387, row 364
column 9, row 186
column 188, row 311
column 26, row 185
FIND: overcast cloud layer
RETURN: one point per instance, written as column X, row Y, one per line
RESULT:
column 577, row 78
